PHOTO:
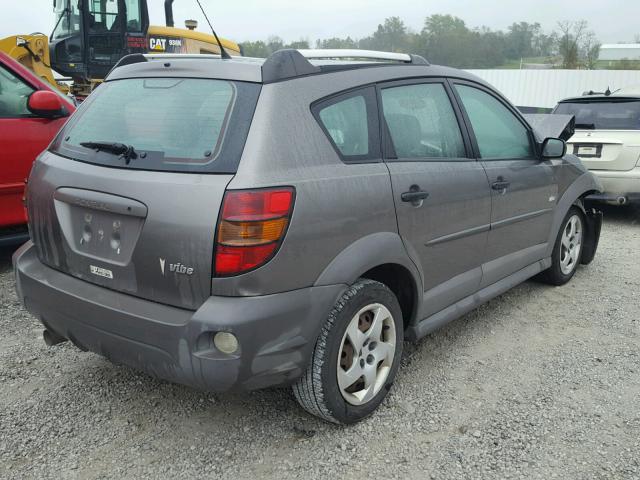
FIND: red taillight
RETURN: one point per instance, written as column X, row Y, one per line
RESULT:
column 251, row 228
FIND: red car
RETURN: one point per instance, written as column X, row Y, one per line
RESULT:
column 31, row 113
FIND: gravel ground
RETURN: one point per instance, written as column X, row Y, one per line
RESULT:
column 540, row 383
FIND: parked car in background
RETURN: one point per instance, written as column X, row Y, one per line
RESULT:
column 607, row 140
column 31, row 113
column 245, row 223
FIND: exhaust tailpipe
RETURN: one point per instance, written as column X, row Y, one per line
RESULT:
column 621, row 200
column 51, row 338
column 168, row 12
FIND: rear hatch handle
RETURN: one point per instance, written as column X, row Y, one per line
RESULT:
column 101, row 201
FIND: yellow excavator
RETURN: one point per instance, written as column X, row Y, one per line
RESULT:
column 91, row 36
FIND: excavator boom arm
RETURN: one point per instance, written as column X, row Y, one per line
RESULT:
column 32, row 51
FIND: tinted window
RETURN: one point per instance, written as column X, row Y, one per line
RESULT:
column 346, row 122
column 498, row 132
column 422, row 122
column 180, row 124
column 14, row 95
column 351, row 122
column 604, row 115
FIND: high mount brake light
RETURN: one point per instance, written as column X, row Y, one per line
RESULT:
column 251, row 228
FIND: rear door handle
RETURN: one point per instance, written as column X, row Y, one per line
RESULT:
column 500, row 185
column 414, row 195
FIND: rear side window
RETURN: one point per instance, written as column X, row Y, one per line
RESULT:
column 604, row 115
column 194, row 125
column 14, row 95
column 351, row 123
column 421, row 122
column 499, row 133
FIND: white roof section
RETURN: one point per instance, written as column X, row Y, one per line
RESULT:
column 620, row 51
column 544, row 88
column 621, row 45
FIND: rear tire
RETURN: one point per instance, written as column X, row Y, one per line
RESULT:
column 567, row 251
column 356, row 356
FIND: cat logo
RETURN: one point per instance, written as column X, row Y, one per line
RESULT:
column 158, row 44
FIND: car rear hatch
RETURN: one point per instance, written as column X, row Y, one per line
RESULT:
column 607, row 131
column 129, row 194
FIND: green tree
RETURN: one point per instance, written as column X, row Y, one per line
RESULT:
column 520, row 40
column 257, row 49
column 335, row 42
column 300, row 44
column 570, row 38
column 445, row 40
column 545, row 45
column 486, row 49
column 275, row 43
column 591, row 50
column 262, row 49
column 391, row 36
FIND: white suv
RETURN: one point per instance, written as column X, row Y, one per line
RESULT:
column 607, row 140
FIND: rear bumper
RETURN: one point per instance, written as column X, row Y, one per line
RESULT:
column 618, row 186
column 276, row 332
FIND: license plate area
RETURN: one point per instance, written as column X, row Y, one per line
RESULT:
column 588, row 150
column 99, row 226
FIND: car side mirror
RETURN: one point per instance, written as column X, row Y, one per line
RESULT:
column 553, row 148
column 46, row 104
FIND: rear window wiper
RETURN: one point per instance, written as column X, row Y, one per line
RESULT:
column 125, row 151
column 588, row 126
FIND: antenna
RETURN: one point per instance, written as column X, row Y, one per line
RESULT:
column 223, row 53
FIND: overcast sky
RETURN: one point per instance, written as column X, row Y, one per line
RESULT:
column 612, row 20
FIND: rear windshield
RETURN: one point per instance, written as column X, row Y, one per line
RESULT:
column 603, row 115
column 172, row 124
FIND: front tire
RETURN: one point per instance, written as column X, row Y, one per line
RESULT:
column 356, row 356
column 567, row 251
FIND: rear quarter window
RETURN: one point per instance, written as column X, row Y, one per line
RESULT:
column 350, row 121
column 185, row 125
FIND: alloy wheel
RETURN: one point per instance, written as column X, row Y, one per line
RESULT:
column 571, row 245
column 366, row 354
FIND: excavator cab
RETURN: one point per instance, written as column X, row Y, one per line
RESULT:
column 90, row 36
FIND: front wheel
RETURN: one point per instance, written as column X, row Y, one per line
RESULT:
column 356, row 357
column 567, row 251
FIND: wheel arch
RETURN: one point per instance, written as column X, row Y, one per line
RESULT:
column 381, row 257
column 399, row 280
column 584, row 185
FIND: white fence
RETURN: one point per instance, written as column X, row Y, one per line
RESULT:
column 543, row 88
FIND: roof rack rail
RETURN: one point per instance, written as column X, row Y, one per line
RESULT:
column 339, row 53
column 290, row 63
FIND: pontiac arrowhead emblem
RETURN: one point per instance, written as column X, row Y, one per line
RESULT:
column 161, row 265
